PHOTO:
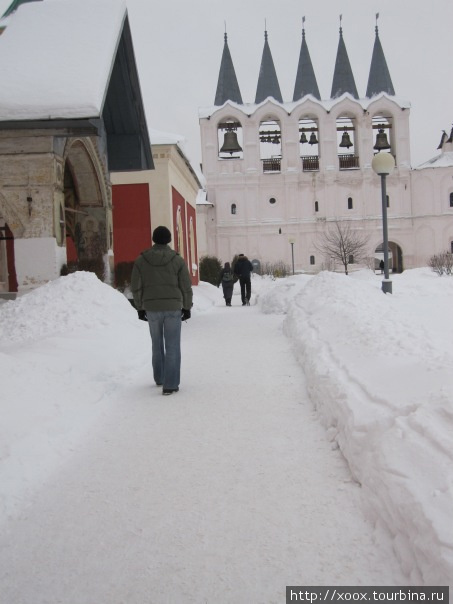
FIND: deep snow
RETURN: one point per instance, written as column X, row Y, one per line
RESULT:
column 237, row 485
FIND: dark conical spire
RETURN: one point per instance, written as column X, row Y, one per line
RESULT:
column 267, row 82
column 227, row 85
column 343, row 79
column 305, row 79
column 379, row 79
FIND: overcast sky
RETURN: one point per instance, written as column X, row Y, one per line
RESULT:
column 179, row 43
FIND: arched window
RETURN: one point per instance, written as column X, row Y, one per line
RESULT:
column 348, row 157
column 451, row 200
column 233, row 208
column 316, row 206
column 312, row 260
column 270, row 137
column 382, row 127
column 230, row 141
column 351, row 259
column 349, row 203
column 309, row 143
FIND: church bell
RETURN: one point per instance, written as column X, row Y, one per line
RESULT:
column 230, row 143
column 381, row 141
column 303, row 138
column 345, row 140
column 313, row 140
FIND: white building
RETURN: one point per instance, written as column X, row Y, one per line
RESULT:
column 278, row 171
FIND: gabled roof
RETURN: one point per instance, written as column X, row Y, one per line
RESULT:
column 379, row 79
column 267, row 81
column 227, row 85
column 305, row 79
column 343, row 78
column 14, row 6
column 84, row 75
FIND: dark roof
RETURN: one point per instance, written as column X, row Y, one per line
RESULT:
column 14, row 6
column 129, row 147
column 267, row 81
column 305, row 79
column 379, row 79
column 115, row 113
column 227, row 85
column 343, row 78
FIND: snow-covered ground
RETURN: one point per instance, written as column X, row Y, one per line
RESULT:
column 237, row 485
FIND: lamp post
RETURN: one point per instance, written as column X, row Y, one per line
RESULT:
column 292, row 241
column 383, row 164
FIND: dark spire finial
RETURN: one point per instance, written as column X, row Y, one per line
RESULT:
column 379, row 79
column 267, row 81
column 227, row 84
column 343, row 78
column 305, row 79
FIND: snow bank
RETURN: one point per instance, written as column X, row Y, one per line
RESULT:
column 379, row 372
column 66, row 305
column 65, row 349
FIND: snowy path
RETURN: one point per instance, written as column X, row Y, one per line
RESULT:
column 226, row 492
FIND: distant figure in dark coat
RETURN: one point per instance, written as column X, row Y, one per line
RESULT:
column 243, row 269
column 381, row 266
column 226, row 278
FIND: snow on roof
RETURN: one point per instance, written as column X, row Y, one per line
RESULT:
column 166, row 138
column 56, row 58
column 202, row 198
column 328, row 104
column 444, row 160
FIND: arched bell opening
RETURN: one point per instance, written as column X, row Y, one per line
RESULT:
column 270, row 135
column 230, row 141
column 395, row 256
column 309, row 144
column 85, row 215
column 348, row 153
column 383, row 139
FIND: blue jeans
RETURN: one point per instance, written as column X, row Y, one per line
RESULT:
column 165, row 330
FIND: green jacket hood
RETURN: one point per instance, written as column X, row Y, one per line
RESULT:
column 159, row 255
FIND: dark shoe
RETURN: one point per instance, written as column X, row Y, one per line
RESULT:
column 248, row 302
column 243, row 304
column 167, row 391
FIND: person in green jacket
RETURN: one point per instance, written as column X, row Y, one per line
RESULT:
column 162, row 289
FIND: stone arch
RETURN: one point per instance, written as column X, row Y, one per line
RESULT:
column 396, row 264
column 87, row 206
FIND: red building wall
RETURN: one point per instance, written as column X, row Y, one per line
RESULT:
column 131, row 221
column 192, row 245
column 179, row 207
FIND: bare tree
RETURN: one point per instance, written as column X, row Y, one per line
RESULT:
column 343, row 244
column 442, row 263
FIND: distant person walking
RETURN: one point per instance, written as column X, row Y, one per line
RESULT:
column 381, row 266
column 243, row 269
column 226, row 279
column 162, row 288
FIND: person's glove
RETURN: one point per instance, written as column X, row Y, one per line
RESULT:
column 185, row 314
column 142, row 315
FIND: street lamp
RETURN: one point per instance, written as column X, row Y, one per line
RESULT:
column 292, row 241
column 383, row 164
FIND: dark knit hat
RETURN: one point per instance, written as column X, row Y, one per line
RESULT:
column 161, row 235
